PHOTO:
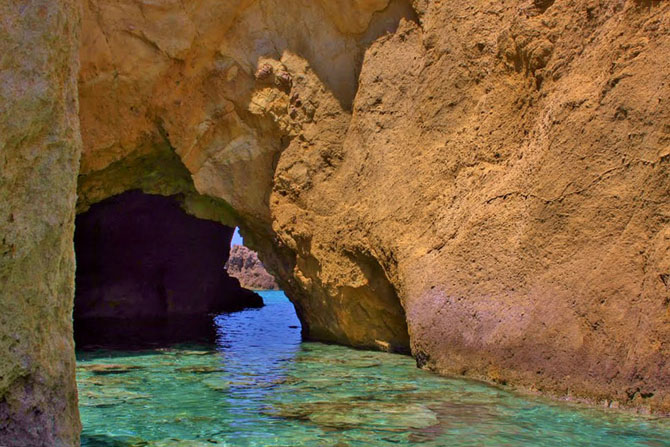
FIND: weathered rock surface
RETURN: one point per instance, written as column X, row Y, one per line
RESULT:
column 484, row 181
column 39, row 159
column 499, row 169
column 244, row 265
column 208, row 114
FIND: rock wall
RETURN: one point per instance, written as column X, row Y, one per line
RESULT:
column 537, row 251
column 39, row 159
column 203, row 98
column 498, row 168
column 244, row 265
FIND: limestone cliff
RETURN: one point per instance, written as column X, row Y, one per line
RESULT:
column 493, row 174
column 244, row 265
column 485, row 182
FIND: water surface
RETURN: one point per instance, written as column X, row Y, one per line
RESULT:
column 260, row 386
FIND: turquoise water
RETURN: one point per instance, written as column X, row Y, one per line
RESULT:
column 261, row 386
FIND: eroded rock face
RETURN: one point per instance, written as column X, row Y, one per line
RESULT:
column 244, row 265
column 499, row 169
column 542, row 236
column 209, row 113
column 142, row 261
column 39, row 158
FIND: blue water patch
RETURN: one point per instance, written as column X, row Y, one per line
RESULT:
column 261, row 386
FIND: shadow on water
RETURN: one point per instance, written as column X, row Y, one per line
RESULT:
column 142, row 333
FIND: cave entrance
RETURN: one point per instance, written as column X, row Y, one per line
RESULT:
column 148, row 273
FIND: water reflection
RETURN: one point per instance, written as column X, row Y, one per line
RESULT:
column 260, row 386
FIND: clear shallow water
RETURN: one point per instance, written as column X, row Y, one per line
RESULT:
column 260, row 386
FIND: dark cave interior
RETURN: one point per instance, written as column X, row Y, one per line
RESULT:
column 148, row 273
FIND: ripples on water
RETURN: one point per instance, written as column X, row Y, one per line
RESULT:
column 260, row 386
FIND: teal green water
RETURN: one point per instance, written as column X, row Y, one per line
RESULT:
column 261, row 386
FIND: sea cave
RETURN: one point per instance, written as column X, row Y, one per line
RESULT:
column 455, row 223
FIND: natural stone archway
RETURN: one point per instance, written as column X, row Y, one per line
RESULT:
column 497, row 171
column 208, row 114
column 500, row 166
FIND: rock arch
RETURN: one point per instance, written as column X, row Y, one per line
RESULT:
column 237, row 113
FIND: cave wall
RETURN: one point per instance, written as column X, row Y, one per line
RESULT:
column 493, row 173
column 527, row 154
column 39, row 159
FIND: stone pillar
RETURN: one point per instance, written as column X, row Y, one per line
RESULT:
column 39, row 158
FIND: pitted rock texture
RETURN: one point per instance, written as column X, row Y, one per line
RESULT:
column 498, row 169
column 244, row 265
column 39, row 159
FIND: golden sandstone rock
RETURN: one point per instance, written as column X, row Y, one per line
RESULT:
column 484, row 183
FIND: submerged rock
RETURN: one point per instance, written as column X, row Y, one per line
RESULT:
column 183, row 443
column 191, row 352
column 99, row 440
column 371, row 415
column 217, row 384
column 199, row 369
column 102, row 369
column 109, row 396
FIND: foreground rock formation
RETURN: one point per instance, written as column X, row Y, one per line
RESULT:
column 39, row 158
column 485, row 183
column 143, row 262
column 244, row 265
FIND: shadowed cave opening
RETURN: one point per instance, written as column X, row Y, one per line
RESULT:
column 150, row 274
